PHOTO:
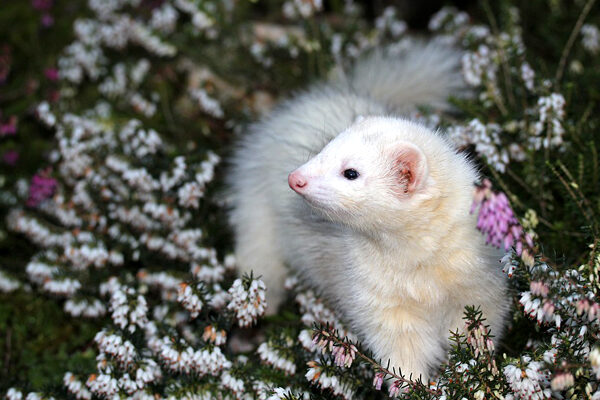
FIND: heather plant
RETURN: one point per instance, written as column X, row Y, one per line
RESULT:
column 122, row 207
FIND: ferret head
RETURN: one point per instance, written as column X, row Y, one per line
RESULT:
column 374, row 174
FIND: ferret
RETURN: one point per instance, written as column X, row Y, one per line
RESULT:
column 369, row 208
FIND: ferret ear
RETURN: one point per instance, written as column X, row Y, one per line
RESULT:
column 409, row 168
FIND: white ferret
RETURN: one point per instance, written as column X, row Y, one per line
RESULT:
column 378, row 219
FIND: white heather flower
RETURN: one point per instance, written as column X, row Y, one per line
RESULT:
column 531, row 383
column 272, row 357
column 45, row 115
column 591, row 38
column 479, row 67
column 207, row 167
column 115, row 85
column 219, row 298
column 148, row 372
column 35, row 231
column 84, row 308
column 142, row 105
column 248, row 303
column 66, row 287
column 314, row 311
column 510, row 263
column 168, row 285
column 234, row 384
column 178, row 174
column 201, row 362
column 200, row 19
column 164, row 18
column 82, row 256
column 8, row 284
column 123, row 351
column 141, row 35
column 128, row 311
column 110, row 286
column 317, row 376
column 57, row 208
column 189, row 195
column 280, row 393
column 549, row 356
column 80, row 59
column 189, row 299
column 594, row 358
column 14, row 394
column 303, row 8
column 486, row 139
column 551, row 112
column 139, row 71
column 542, row 310
column 528, row 75
column 139, row 141
column 167, row 215
column 207, row 104
column 103, row 385
column 207, row 273
column 211, row 335
column 388, row 21
column 306, row 340
column 477, row 33
column 448, row 19
column 76, row 387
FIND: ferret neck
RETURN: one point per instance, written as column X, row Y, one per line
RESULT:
column 417, row 246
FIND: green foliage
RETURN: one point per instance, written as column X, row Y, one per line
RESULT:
column 39, row 342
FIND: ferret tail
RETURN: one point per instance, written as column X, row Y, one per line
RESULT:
column 425, row 73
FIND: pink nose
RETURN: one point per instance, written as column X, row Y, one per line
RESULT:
column 297, row 181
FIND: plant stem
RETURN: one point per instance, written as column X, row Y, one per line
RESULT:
column 503, row 59
column 567, row 49
column 333, row 337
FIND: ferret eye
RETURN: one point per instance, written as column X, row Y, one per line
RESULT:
column 350, row 174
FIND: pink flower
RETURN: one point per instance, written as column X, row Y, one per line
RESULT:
column 51, row 74
column 47, row 20
column 42, row 5
column 10, row 127
column 41, row 188
column 378, row 380
column 5, row 63
column 53, row 96
column 344, row 357
column 10, row 157
column 539, row 288
column 497, row 220
column 396, row 388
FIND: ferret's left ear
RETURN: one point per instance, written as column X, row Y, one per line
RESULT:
column 410, row 167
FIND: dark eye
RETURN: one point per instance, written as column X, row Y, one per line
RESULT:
column 350, row 174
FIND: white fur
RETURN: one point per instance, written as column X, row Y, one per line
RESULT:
column 399, row 264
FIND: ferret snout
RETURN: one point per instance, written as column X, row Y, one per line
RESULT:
column 297, row 181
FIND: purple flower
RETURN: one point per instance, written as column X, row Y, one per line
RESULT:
column 42, row 5
column 41, row 188
column 5, row 63
column 51, row 74
column 9, row 127
column 10, row 157
column 497, row 220
column 47, row 20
